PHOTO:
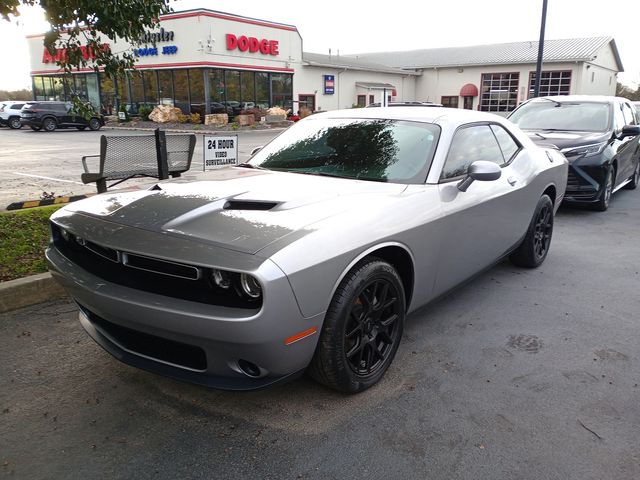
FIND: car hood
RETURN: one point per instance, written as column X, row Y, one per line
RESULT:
column 237, row 208
column 567, row 139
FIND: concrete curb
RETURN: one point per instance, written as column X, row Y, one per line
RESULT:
column 44, row 203
column 27, row 291
column 203, row 131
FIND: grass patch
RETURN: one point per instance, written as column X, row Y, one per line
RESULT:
column 24, row 235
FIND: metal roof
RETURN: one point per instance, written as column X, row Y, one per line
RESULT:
column 564, row 50
column 375, row 85
column 350, row 63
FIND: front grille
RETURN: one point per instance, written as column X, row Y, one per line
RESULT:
column 152, row 346
column 171, row 279
column 572, row 180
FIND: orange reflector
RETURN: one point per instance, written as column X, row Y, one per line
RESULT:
column 300, row 336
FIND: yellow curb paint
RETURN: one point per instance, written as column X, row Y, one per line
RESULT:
column 33, row 203
column 61, row 200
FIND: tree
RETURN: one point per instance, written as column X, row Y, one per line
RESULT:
column 80, row 28
column 626, row 92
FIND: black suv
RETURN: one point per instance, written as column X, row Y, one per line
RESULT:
column 599, row 135
column 51, row 115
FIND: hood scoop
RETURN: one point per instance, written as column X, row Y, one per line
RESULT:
column 248, row 205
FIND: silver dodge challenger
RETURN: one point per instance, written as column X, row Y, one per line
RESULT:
column 309, row 256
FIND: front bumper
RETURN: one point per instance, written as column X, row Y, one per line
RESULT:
column 190, row 341
column 585, row 183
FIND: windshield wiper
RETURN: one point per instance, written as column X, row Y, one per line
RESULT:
column 249, row 165
column 558, row 104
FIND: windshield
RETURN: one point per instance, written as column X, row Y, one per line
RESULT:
column 366, row 149
column 566, row 116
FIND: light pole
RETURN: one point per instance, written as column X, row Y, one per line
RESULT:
column 536, row 89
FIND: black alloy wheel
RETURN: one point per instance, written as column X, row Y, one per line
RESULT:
column 372, row 327
column 635, row 178
column 535, row 246
column 542, row 231
column 49, row 124
column 605, row 197
column 94, row 124
column 362, row 328
column 15, row 123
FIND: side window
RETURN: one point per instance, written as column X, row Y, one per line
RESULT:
column 629, row 118
column 507, row 144
column 17, row 106
column 469, row 145
column 618, row 117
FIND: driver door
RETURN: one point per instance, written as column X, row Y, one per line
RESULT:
column 484, row 222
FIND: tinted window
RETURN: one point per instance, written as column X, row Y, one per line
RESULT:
column 507, row 144
column 567, row 116
column 17, row 106
column 378, row 150
column 628, row 114
column 469, row 145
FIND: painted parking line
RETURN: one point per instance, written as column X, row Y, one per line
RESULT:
column 47, row 178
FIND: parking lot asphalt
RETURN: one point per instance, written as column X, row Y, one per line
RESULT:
column 33, row 164
column 520, row 374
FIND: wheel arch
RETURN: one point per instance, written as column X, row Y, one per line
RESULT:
column 396, row 254
column 551, row 191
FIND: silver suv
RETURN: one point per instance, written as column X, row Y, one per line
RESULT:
column 10, row 113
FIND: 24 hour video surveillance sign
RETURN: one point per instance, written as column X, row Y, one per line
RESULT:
column 220, row 151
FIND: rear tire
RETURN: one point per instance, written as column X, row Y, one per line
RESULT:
column 14, row 123
column 605, row 197
column 94, row 124
column 49, row 124
column 362, row 328
column 635, row 178
column 535, row 245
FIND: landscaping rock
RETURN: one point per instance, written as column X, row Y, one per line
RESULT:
column 165, row 114
column 246, row 120
column 275, row 118
column 217, row 119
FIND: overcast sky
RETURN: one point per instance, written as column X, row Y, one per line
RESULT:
column 371, row 26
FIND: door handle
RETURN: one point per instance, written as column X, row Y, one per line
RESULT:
column 512, row 181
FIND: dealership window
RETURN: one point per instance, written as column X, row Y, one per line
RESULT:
column 262, row 90
column 281, row 90
column 307, row 101
column 216, row 86
column 165, row 87
column 499, row 92
column 150, row 87
column 107, row 94
column 38, row 88
column 248, row 89
column 362, row 101
column 137, row 91
column 79, row 86
column 196, row 83
column 181, row 90
column 451, row 102
column 372, row 99
column 551, row 83
column 123, row 89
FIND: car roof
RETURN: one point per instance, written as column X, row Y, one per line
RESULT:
column 427, row 114
column 580, row 98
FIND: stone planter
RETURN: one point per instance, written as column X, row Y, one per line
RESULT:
column 275, row 118
column 246, row 120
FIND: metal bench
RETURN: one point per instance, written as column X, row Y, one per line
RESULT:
column 125, row 157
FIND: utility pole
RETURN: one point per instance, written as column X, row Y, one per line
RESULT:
column 536, row 89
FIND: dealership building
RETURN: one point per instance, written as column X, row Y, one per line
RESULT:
column 202, row 60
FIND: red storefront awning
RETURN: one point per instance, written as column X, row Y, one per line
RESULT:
column 469, row 90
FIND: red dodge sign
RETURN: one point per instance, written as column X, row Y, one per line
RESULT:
column 252, row 44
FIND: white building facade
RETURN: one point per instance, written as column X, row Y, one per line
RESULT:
column 204, row 61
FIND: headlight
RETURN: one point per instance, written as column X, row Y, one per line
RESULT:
column 250, row 286
column 584, row 150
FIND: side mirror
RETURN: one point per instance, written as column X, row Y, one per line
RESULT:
column 630, row 131
column 482, row 171
column 255, row 150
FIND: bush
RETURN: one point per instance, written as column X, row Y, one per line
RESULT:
column 235, row 126
column 144, row 112
column 195, row 118
column 182, row 118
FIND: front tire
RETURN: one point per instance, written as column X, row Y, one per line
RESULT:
column 635, row 178
column 362, row 328
column 605, row 197
column 14, row 123
column 49, row 124
column 535, row 246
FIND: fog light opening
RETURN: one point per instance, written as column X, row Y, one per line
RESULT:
column 248, row 368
